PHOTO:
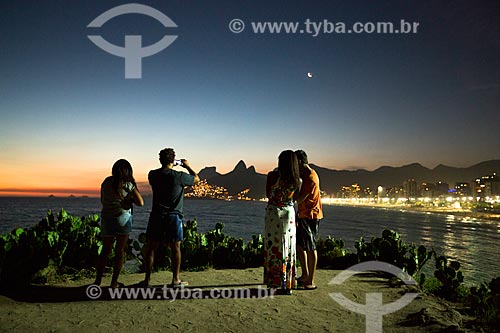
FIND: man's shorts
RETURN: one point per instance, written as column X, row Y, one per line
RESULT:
column 165, row 227
column 307, row 233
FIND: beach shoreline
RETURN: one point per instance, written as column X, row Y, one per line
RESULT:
column 466, row 213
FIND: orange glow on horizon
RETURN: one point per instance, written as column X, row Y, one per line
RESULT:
column 83, row 178
column 45, row 192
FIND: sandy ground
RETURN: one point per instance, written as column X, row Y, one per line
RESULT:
column 66, row 308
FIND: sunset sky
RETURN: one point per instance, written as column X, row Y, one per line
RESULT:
column 67, row 113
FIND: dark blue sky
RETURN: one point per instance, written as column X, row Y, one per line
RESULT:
column 218, row 97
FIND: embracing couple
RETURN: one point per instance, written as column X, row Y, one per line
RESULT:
column 286, row 234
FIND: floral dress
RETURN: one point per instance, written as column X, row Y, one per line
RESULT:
column 279, row 238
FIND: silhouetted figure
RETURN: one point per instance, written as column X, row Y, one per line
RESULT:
column 310, row 212
column 118, row 193
column 165, row 220
column 279, row 230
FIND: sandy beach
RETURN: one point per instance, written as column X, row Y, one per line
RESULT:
column 64, row 307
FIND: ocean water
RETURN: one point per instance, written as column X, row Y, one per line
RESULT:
column 473, row 242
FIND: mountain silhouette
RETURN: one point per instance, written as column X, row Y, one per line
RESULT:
column 241, row 177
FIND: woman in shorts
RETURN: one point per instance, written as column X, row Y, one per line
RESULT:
column 118, row 193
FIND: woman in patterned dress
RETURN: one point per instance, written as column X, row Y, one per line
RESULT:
column 282, row 186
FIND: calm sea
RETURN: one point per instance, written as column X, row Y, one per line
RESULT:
column 473, row 242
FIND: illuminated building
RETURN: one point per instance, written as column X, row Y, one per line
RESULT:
column 410, row 188
column 486, row 187
column 427, row 190
column 441, row 189
column 463, row 189
column 395, row 192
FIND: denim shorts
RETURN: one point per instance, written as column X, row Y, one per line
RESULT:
column 165, row 227
column 119, row 225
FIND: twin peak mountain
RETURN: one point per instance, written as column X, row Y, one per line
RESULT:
column 239, row 179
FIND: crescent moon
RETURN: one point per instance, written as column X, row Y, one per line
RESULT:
column 309, row 75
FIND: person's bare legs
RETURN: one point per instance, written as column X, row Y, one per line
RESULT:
column 176, row 261
column 121, row 245
column 303, row 264
column 312, row 259
column 149, row 258
column 107, row 246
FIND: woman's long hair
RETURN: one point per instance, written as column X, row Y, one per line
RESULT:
column 122, row 173
column 288, row 168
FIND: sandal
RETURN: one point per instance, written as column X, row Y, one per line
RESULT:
column 307, row 287
column 180, row 284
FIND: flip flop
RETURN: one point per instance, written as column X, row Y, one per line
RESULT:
column 180, row 284
column 307, row 287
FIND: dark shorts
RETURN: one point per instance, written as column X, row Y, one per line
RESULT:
column 307, row 234
column 120, row 225
column 165, row 227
